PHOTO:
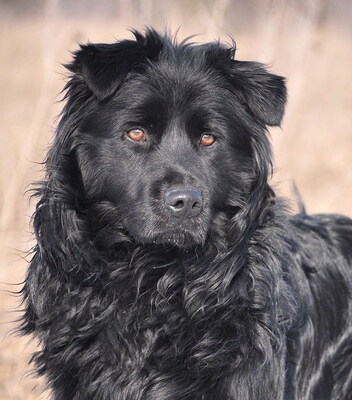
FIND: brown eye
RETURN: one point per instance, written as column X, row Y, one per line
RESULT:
column 137, row 135
column 207, row 139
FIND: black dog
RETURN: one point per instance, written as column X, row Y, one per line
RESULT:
column 165, row 269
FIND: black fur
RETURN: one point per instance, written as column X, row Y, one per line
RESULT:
column 243, row 301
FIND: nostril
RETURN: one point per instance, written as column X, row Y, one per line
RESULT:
column 179, row 204
column 196, row 205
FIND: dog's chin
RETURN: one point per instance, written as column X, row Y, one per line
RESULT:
column 184, row 235
column 180, row 239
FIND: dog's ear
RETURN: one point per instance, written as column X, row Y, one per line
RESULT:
column 262, row 92
column 105, row 66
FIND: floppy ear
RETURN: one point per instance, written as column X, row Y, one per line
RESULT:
column 105, row 66
column 263, row 93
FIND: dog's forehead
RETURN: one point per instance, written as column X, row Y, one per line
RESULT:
column 182, row 78
column 173, row 85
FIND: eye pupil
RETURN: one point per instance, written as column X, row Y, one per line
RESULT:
column 207, row 139
column 137, row 135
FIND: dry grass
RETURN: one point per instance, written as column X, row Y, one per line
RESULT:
column 313, row 147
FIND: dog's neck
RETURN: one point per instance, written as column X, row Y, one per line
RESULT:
column 201, row 296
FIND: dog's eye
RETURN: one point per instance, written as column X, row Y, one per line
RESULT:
column 206, row 139
column 137, row 135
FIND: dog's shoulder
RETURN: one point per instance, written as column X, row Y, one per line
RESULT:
column 331, row 231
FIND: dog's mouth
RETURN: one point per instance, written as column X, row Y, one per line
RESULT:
column 179, row 237
column 162, row 229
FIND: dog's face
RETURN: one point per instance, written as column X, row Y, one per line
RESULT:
column 170, row 140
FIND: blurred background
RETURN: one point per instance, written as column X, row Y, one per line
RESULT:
column 309, row 42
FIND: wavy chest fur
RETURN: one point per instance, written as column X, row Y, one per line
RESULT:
column 180, row 328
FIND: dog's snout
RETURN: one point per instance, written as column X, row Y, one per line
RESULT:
column 183, row 203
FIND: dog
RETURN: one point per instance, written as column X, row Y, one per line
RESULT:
column 165, row 268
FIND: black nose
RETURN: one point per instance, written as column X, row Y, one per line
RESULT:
column 183, row 203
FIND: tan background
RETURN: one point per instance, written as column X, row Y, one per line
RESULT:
column 309, row 42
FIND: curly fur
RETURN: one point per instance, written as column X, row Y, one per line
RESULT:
column 242, row 302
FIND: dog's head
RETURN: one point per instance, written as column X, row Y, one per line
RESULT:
column 166, row 138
